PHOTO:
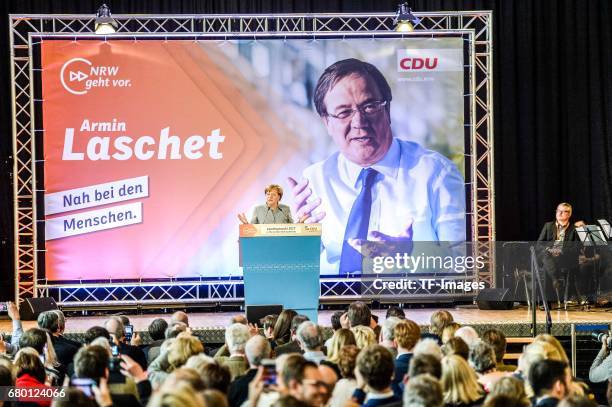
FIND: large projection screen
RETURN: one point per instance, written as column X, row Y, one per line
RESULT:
column 153, row 146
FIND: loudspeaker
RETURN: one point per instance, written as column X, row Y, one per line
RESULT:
column 256, row 312
column 495, row 298
column 32, row 307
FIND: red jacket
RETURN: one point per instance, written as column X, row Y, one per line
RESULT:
column 27, row 381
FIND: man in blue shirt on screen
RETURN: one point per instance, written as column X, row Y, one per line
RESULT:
column 375, row 187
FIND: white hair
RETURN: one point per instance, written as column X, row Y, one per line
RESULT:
column 236, row 337
column 387, row 328
column 468, row 334
column 428, row 346
column 103, row 342
column 256, row 349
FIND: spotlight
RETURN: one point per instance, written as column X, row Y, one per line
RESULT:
column 404, row 19
column 105, row 24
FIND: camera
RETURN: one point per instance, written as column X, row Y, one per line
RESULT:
column 601, row 336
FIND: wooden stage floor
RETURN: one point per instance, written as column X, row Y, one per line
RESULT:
column 515, row 322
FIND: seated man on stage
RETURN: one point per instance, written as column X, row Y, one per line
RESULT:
column 560, row 256
column 272, row 211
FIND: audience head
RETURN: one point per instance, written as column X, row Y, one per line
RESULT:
column 428, row 346
column 424, row 364
column 282, row 328
column 124, row 320
column 34, row 338
column 175, row 329
column 364, row 336
column 310, row 336
column 456, row 346
column 214, row 398
column 114, row 326
column 179, row 316
column 554, row 342
column 513, row 388
column 27, row 361
column 288, row 401
column 577, row 401
column 459, row 381
column 468, row 334
column 376, row 365
column 550, row 377
column 91, row 362
column 335, row 320
column 96, row 332
column 359, row 314
column 267, row 323
column 236, row 336
column 482, row 357
column 406, row 333
column 182, row 348
column 388, row 326
column 74, row 397
column 303, row 380
column 396, row 312
column 296, row 322
column 347, row 360
column 342, row 337
column 449, row 331
column 157, row 329
column 257, row 349
column 197, row 362
column 49, row 320
column 438, row 320
column 186, row 375
column 497, row 340
column 216, row 376
column 239, row 319
column 423, row 391
column 181, row 395
column 503, row 400
column 6, row 376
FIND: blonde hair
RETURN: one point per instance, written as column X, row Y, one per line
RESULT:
column 511, row 387
column 276, row 188
column 179, row 395
column 449, row 331
column 407, row 333
column 182, row 349
column 439, row 320
column 364, row 336
column 554, row 342
column 459, row 381
column 342, row 337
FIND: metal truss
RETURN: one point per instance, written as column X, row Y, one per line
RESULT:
column 24, row 27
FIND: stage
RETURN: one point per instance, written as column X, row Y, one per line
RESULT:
column 514, row 323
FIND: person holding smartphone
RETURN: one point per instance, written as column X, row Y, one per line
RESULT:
column 116, row 329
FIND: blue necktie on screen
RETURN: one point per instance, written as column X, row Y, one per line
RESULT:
column 358, row 222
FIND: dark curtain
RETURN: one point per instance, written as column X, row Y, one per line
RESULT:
column 552, row 96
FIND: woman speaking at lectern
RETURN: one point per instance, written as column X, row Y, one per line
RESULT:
column 272, row 211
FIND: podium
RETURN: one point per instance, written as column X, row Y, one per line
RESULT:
column 281, row 265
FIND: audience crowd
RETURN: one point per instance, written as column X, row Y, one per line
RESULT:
column 286, row 361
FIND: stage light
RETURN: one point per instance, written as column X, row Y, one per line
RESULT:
column 105, row 24
column 404, row 19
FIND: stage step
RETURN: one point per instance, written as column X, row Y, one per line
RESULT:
column 515, row 346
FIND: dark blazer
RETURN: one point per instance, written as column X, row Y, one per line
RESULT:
column 401, row 368
column 65, row 349
column 135, row 353
column 570, row 251
column 239, row 389
column 547, row 402
column 549, row 232
column 290, row 347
